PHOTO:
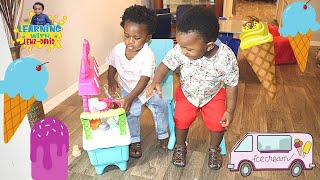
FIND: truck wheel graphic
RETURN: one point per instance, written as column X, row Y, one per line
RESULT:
column 245, row 169
column 296, row 169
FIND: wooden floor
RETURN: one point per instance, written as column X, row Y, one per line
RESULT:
column 296, row 109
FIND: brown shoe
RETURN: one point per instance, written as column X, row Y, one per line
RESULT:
column 164, row 143
column 215, row 158
column 135, row 150
column 179, row 155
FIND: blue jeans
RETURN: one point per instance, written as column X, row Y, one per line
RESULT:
column 159, row 109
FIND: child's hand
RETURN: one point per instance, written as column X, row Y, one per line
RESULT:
column 112, row 87
column 126, row 103
column 152, row 87
column 226, row 119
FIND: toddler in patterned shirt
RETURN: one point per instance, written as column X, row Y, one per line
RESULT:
column 209, row 77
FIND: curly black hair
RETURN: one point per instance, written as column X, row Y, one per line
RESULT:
column 38, row 3
column 141, row 15
column 202, row 20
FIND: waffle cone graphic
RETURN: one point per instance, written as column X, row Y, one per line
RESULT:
column 300, row 45
column 15, row 109
column 261, row 59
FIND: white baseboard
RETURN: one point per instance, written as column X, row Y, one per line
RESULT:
column 314, row 43
column 55, row 101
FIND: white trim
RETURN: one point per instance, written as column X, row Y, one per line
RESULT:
column 314, row 43
column 103, row 68
column 58, row 99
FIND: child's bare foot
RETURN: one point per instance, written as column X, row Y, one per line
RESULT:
column 164, row 143
column 135, row 150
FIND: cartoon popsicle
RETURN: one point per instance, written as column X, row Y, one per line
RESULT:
column 25, row 81
column 299, row 20
column 306, row 148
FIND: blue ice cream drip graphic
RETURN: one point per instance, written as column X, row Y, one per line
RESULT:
column 27, row 77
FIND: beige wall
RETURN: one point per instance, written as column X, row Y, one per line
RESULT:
column 96, row 20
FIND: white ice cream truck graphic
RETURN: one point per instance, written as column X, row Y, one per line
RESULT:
column 272, row 151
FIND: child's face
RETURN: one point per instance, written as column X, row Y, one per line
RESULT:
column 192, row 45
column 37, row 9
column 135, row 36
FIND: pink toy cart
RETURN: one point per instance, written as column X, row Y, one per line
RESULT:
column 103, row 147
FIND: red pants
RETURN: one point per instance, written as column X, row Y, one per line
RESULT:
column 185, row 112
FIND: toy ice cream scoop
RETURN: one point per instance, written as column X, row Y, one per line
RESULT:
column 113, row 105
column 254, row 33
column 25, row 81
column 258, row 48
column 299, row 20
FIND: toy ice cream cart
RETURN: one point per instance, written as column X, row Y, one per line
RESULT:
column 106, row 135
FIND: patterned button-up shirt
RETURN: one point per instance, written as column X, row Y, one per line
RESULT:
column 202, row 79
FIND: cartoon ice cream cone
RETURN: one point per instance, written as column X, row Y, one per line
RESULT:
column 15, row 109
column 299, row 149
column 298, row 145
column 24, row 82
column 299, row 20
column 258, row 48
column 300, row 45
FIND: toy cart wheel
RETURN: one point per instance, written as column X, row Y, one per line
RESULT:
column 296, row 169
column 245, row 169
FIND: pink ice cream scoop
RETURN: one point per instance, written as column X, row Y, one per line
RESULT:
column 49, row 150
column 297, row 145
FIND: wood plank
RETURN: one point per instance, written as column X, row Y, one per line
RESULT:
column 154, row 164
column 195, row 162
column 78, row 176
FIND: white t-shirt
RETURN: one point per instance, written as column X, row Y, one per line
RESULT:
column 130, row 71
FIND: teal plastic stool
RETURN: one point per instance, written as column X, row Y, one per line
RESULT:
column 101, row 158
column 223, row 147
column 160, row 48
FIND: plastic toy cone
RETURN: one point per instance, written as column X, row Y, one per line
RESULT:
column 261, row 59
column 15, row 109
column 300, row 45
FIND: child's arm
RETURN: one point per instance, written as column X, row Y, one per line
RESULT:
column 112, row 83
column 161, row 73
column 48, row 21
column 231, row 95
column 32, row 20
column 126, row 102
